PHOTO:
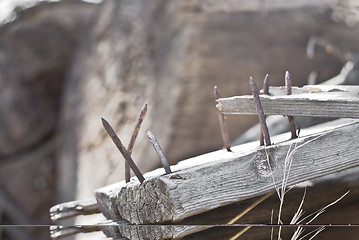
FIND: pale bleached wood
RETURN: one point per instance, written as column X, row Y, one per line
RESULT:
column 73, row 208
column 281, row 91
column 334, row 104
column 230, row 177
column 320, row 192
column 244, row 161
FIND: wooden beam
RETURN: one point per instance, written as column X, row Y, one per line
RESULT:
column 221, row 178
column 309, row 101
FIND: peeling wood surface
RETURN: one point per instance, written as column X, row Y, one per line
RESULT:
column 228, row 177
column 310, row 101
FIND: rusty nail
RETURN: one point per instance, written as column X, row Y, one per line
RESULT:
column 133, row 140
column 259, row 108
column 288, row 87
column 265, row 91
column 222, row 124
column 123, row 150
column 288, row 84
column 159, row 151
column 266, row 85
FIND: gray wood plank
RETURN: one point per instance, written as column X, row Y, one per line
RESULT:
column 280, row 91
column 334, row 104
column 220, row 178
column 73, row 208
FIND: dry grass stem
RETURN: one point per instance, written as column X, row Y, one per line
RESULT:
column 253, row 205
column 240, row 233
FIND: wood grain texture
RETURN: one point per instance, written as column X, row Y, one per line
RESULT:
column 195, row 187
column 124, row 200
column 310, row 101
column 320, row 192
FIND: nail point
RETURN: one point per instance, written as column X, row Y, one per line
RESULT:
column 266, row 85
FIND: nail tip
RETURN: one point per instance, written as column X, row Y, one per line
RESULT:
column 104, row 122
column 215, row 92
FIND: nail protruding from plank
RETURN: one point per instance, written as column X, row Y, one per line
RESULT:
column 288, row 87
column 122, row 149
column 259, row 108
column 159, row 151
column 266, row 92
column 133, row 140
column 266, row 85
column 222, row 124
column 288, row 84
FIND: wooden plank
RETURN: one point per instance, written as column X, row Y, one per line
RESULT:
column 196, row 187
column 188, row 228
column 319, row 104
column 73, row 208
column 320, row 192
column 280, row 91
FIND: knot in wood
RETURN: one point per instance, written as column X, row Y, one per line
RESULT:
column 264, row 162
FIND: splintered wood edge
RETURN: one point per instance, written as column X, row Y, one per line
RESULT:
column 106, row 200
column 334, row 104
column 73, row 208
column 230, row 177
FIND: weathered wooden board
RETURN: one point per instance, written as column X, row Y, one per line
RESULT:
column 73, row 208
column 281, row 91
column 320, row 192
column 311, row 101
column 218, row 185
column 195, row 187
